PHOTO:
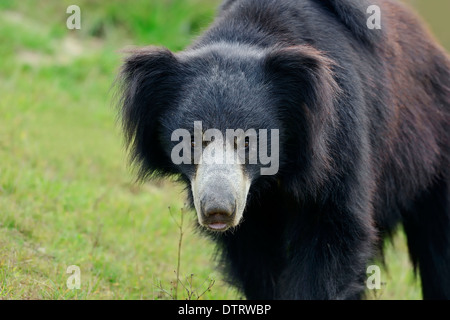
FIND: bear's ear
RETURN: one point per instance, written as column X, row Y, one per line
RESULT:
column 302, row 75
column 306, row 93
column 148, row 82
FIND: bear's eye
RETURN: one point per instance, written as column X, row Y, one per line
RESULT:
column 246, row 143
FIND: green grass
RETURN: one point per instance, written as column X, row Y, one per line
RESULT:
column 67, row 196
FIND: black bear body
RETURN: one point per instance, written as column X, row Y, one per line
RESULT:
column 364, row 141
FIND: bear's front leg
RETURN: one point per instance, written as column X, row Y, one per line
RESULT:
column 328, row 250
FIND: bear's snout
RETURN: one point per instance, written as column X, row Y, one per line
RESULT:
column 220, row 194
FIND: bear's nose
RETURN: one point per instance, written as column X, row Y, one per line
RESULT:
column 218, row 213
column 221, row 208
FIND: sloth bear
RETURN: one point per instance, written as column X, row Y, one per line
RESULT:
column 361, row 117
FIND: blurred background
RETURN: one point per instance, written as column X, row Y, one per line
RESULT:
column 67, row 196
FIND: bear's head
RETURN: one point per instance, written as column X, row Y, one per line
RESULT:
column 227, row 118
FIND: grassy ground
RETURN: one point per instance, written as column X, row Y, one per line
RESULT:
column 66, row 195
